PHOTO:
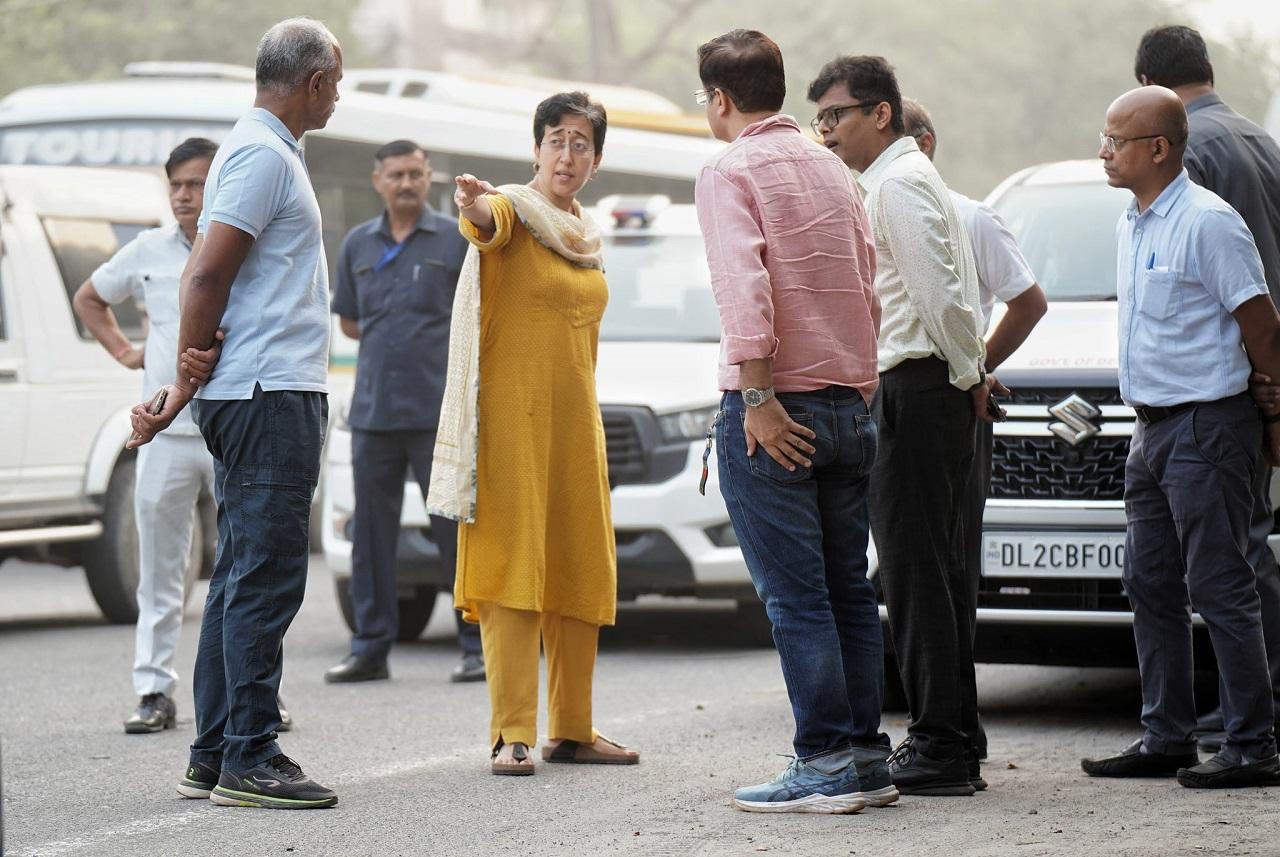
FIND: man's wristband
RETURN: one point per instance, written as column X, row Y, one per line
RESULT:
column 1268, row 419
column 122, row 351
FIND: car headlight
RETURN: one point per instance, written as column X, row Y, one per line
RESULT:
column 687, row 425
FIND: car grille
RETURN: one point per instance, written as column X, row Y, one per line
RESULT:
column 1048, row 396
column 1045, row 468
column 624, row 447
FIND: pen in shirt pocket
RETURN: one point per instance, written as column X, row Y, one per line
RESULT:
column 1151, row 263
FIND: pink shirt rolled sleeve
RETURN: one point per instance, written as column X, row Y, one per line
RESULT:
column 792, row 261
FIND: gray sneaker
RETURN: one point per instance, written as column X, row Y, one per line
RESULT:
column 277, row 783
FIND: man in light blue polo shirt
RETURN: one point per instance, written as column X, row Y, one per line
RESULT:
column 1195, row 313
column 257, row 271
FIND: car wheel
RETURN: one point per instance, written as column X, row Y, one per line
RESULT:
column 415, row 613
column 207, row 519
column 111, row 560
column 346, row 604
column 415, row 610
column 753, row 623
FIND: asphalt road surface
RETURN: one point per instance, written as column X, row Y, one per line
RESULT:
column 408, row 758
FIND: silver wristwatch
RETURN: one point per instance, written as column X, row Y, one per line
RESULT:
column 754, row 398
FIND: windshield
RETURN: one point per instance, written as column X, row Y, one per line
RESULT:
column 659, row 289
column 1068, row 234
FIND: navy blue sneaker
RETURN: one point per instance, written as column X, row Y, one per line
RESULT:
column 200, row 779
column 828, row 784
column 876, row 783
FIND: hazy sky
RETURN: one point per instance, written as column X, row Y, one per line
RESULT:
column 1223, row 17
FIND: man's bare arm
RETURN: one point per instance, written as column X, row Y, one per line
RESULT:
column 215, row 261
column 1260, row 329
column 1020, row 318
column 349, row 326
column 101, row 322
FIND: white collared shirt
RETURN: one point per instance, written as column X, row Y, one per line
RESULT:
column 1003, row 271
column 150, row 267
column 925, row 271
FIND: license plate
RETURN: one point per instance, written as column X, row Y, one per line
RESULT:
column 1094, row 555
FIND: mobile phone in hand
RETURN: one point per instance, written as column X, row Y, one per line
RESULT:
column 993, row 408
column 156, row 405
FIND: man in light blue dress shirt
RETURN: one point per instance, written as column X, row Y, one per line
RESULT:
column 257, row 271
column 1195, row 319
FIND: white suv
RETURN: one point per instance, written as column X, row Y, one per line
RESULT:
column 66, row 482
column 1055, row 523
column 656, row 383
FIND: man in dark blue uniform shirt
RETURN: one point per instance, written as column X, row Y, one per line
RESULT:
column 1240, row 162
column 396, row 278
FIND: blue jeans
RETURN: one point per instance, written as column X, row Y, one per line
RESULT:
column 266, row 459
column 804, row 539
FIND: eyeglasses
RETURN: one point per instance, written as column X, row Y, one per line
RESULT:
column 830, row 117
column 1111, row 144
column 577, row 147
column 704, row 96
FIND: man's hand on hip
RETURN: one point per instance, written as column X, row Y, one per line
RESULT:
column 783, row 438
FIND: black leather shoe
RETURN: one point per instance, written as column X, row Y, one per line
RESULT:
column 286, row 719
column 155, row 713
column 975, row 773
column 358, row 668
column 1134, row 761
column 914, row 773
column 1231, row 769
column 471, row 668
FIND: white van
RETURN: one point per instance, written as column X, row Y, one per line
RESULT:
column 656, row 383
column 66, row 481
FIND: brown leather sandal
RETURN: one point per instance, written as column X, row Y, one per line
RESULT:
column 520, row 753
column 578, row 753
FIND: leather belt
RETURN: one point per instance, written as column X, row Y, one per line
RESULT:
column 1154, row 414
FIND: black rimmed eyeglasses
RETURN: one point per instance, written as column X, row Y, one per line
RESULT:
column 831, row 117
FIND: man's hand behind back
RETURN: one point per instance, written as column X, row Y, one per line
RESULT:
column 197, row 365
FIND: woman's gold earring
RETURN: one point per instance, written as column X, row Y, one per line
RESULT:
column 535, row 168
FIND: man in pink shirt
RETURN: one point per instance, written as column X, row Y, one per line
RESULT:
column 792, row 266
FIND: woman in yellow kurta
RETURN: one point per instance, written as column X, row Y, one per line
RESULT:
column 537, row 560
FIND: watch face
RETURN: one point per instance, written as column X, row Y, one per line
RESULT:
column 753, row 398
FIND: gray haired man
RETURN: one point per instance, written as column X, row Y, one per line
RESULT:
column 257, row 270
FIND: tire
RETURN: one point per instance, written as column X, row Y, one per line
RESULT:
column 753, row 623
column 111, row 560
column 415, row 611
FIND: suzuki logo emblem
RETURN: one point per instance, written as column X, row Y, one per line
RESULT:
column 1076, row 417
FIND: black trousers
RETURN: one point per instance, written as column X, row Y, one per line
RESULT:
column 918, row 494
column 379, row 461
column 975, row 504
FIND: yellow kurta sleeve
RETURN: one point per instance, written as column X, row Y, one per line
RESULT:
column 504, row 219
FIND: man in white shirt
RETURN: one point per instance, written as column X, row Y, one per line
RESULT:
column 1003, row 273
column 173, row 471
column 933, row 390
